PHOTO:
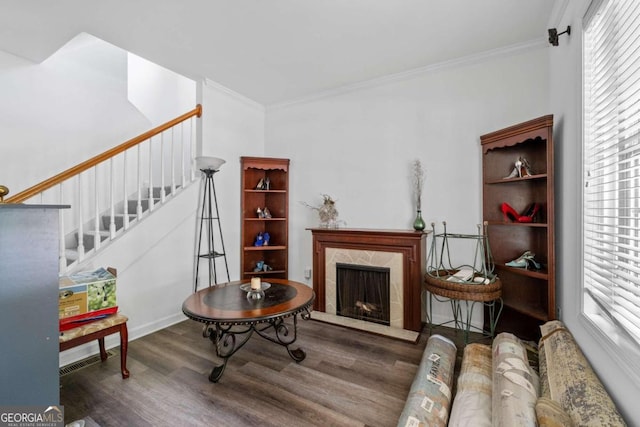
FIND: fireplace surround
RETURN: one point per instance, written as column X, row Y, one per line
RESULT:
column 406, row 249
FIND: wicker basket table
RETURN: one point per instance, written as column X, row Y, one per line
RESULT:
column 489, row 295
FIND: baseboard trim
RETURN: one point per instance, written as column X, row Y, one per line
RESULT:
column 83, row 351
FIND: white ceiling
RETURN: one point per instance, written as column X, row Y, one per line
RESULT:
column 274, row 51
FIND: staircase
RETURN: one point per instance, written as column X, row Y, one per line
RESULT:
column 121, row 221
column 117, row 189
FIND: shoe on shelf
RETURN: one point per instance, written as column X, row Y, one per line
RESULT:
column 509, row 213
column 533, row 264
column 265, row 239
column 517, row 170
column 521, row 169
column 513, row 174
column 260, row 213
column 526, row 260
column 259, row 239
column 259, row 266
column 525, row 167
column 260, row 185
column 521, row 261
column 266, row 267
column 267, row 184
column 529, row 214
column 266, row 213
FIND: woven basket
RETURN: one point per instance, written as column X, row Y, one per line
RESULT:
column 471, row 292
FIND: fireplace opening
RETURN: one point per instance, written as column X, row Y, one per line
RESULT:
column 362, row 292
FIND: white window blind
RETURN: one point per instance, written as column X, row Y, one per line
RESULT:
column 611, row 218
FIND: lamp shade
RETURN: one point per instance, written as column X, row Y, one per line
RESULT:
column 212, row 163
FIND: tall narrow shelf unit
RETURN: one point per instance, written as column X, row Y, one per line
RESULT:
column 529, row 295
column 276, row 199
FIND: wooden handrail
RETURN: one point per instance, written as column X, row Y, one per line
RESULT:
column 81, row 167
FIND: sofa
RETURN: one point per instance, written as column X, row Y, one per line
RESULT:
column 509, row 383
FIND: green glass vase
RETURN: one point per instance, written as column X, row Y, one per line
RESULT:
column 418, row 224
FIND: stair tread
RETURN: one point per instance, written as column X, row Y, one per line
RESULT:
column 101, row 232
column 119, row 215
column 71, row 253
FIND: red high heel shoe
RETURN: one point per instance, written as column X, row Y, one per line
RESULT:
column 530, row 213
column 513, row 215
column 509, row 213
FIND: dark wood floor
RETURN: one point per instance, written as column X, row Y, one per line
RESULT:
column 349, row 378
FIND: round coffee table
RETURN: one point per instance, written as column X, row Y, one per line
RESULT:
column 230, row 318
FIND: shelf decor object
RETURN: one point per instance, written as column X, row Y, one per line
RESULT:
column 418, row 223
column 528, row 294
column 327, row 212
column 264, row 187
column 463, row 285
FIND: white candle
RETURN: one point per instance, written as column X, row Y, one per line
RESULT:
column 255, row 283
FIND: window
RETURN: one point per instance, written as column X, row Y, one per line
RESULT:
column 611, row 156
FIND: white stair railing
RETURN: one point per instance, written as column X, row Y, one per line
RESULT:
column 100, row 189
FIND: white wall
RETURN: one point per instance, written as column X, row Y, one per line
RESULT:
column 63, row 111
column 155, row 270
column 73, row 106
column 233, row 126
column 155, row 259
column 358, row 146
column 160, row 94
column 565, row 68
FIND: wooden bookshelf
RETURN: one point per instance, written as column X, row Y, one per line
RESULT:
column 528, row 294
column 276, row 199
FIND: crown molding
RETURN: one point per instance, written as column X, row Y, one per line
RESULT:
column 417, row 72
column 233, row 94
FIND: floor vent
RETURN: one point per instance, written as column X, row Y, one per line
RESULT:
column 91, row 360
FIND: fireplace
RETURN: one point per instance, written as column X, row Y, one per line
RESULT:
column 403, row 252
column 362, row 292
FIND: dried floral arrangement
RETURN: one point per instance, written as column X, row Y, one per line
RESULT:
column 327, row 211
column 418, row 176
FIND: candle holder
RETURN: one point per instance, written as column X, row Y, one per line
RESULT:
column 255, row 289
column 255, row 294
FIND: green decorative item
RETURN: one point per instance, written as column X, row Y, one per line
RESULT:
column 419, row 224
